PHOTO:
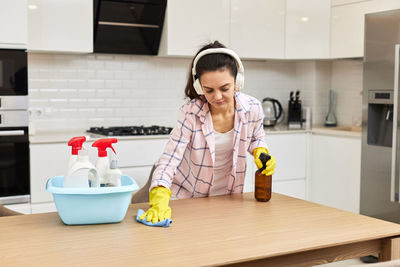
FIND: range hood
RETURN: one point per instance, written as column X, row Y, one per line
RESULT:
column 128, row 26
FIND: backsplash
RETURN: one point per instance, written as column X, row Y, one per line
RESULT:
column 75, row 92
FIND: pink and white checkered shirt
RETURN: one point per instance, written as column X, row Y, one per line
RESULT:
column 186, row 166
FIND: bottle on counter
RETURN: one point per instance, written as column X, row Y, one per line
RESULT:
column 263, row 183
column 103, row 164
column 82, row 173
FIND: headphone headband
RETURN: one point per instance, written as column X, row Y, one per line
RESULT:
column 240, row 73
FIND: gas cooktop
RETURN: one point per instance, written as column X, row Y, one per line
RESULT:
column 130, row 130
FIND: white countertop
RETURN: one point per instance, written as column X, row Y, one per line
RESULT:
column 65, row 136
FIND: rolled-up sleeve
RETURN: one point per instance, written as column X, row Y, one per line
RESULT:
column 179, row 139
column 257, row 138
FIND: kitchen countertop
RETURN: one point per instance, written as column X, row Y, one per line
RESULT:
column 282, row 232
column 65, row 136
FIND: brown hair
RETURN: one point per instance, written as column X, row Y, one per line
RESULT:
column 209, row 62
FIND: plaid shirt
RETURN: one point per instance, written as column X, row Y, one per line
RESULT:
column 186, row 166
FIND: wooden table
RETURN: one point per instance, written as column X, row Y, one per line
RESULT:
column 224, row 230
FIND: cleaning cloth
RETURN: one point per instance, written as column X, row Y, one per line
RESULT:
column 163, row 223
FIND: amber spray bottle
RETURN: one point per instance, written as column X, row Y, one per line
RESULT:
column 262, row 182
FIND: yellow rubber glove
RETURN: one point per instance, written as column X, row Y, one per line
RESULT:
column 159, row 209
column 270, row 169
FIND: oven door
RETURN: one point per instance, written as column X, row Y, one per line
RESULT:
column 14, row 165
column 13, row 72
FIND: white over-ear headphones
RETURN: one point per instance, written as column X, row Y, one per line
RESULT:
column 239, row 76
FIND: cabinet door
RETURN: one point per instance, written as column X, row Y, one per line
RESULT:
column 335, row 171
column 190, row 24
column 290, row 152
column 46, row 161
column 140, row 174
column 250, row 174
column 347, row 31
column 307, row 29
column 60, row 26
column 293, row 188
column 22, row 208
column 257, row 28
column 13, row 23
column 133, row 153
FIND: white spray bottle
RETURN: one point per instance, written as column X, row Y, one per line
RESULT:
column 76, row 144
column 82, row 173
column 103, row 164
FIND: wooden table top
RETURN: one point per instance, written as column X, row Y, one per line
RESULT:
column 205, row 231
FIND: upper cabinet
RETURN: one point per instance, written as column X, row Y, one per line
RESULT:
column 60, row 26
column 347, row 31
column 13, row 23
column 190, row 24
column 257, row 28
column 307, row 29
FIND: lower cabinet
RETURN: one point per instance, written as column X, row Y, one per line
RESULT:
column 335, row 171
column 290, row 153
column 140, row 174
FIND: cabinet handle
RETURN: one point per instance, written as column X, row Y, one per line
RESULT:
column 128, row 24
column 394, row 194
column 16, row 132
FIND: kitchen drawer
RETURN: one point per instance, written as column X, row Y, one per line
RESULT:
column 134, row 153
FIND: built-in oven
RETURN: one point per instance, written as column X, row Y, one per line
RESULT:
column 14, row 138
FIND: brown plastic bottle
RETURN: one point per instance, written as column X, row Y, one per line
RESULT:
column 263, row 183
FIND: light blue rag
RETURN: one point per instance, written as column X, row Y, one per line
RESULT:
column 163, row 223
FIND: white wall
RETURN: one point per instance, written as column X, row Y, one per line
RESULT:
column 80, row 91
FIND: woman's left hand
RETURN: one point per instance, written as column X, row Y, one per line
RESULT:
column 270, row 169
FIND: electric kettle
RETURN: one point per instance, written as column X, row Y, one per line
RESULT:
column 272, row 111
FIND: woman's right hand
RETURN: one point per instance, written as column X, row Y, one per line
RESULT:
column 159, row 209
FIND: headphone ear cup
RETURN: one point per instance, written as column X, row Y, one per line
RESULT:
column 239, row 82
column 197, row 87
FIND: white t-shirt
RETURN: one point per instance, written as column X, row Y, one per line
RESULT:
column 223, row 162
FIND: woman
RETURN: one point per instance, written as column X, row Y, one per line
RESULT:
column 206, row 152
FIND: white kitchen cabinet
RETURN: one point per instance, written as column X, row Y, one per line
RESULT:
column 307, row 29
column 290, row 152
column 347, row 31
column 46, row 161
column 250, row 174
column 139, row 152
column 139, row 174
column 293, row 188
column 189, row 24
column 24, row 208
column 345, row 2
column 60, row 26
column 335, row 171
column 13, row 23
column 257, row 28
column 43, row 207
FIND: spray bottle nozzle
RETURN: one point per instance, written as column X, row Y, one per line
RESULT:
column 264, row 157
column 103, row 144
column 76, row 143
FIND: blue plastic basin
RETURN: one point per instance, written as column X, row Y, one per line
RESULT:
column 92, row 205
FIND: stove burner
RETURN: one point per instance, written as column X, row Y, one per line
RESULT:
column 130, row 130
